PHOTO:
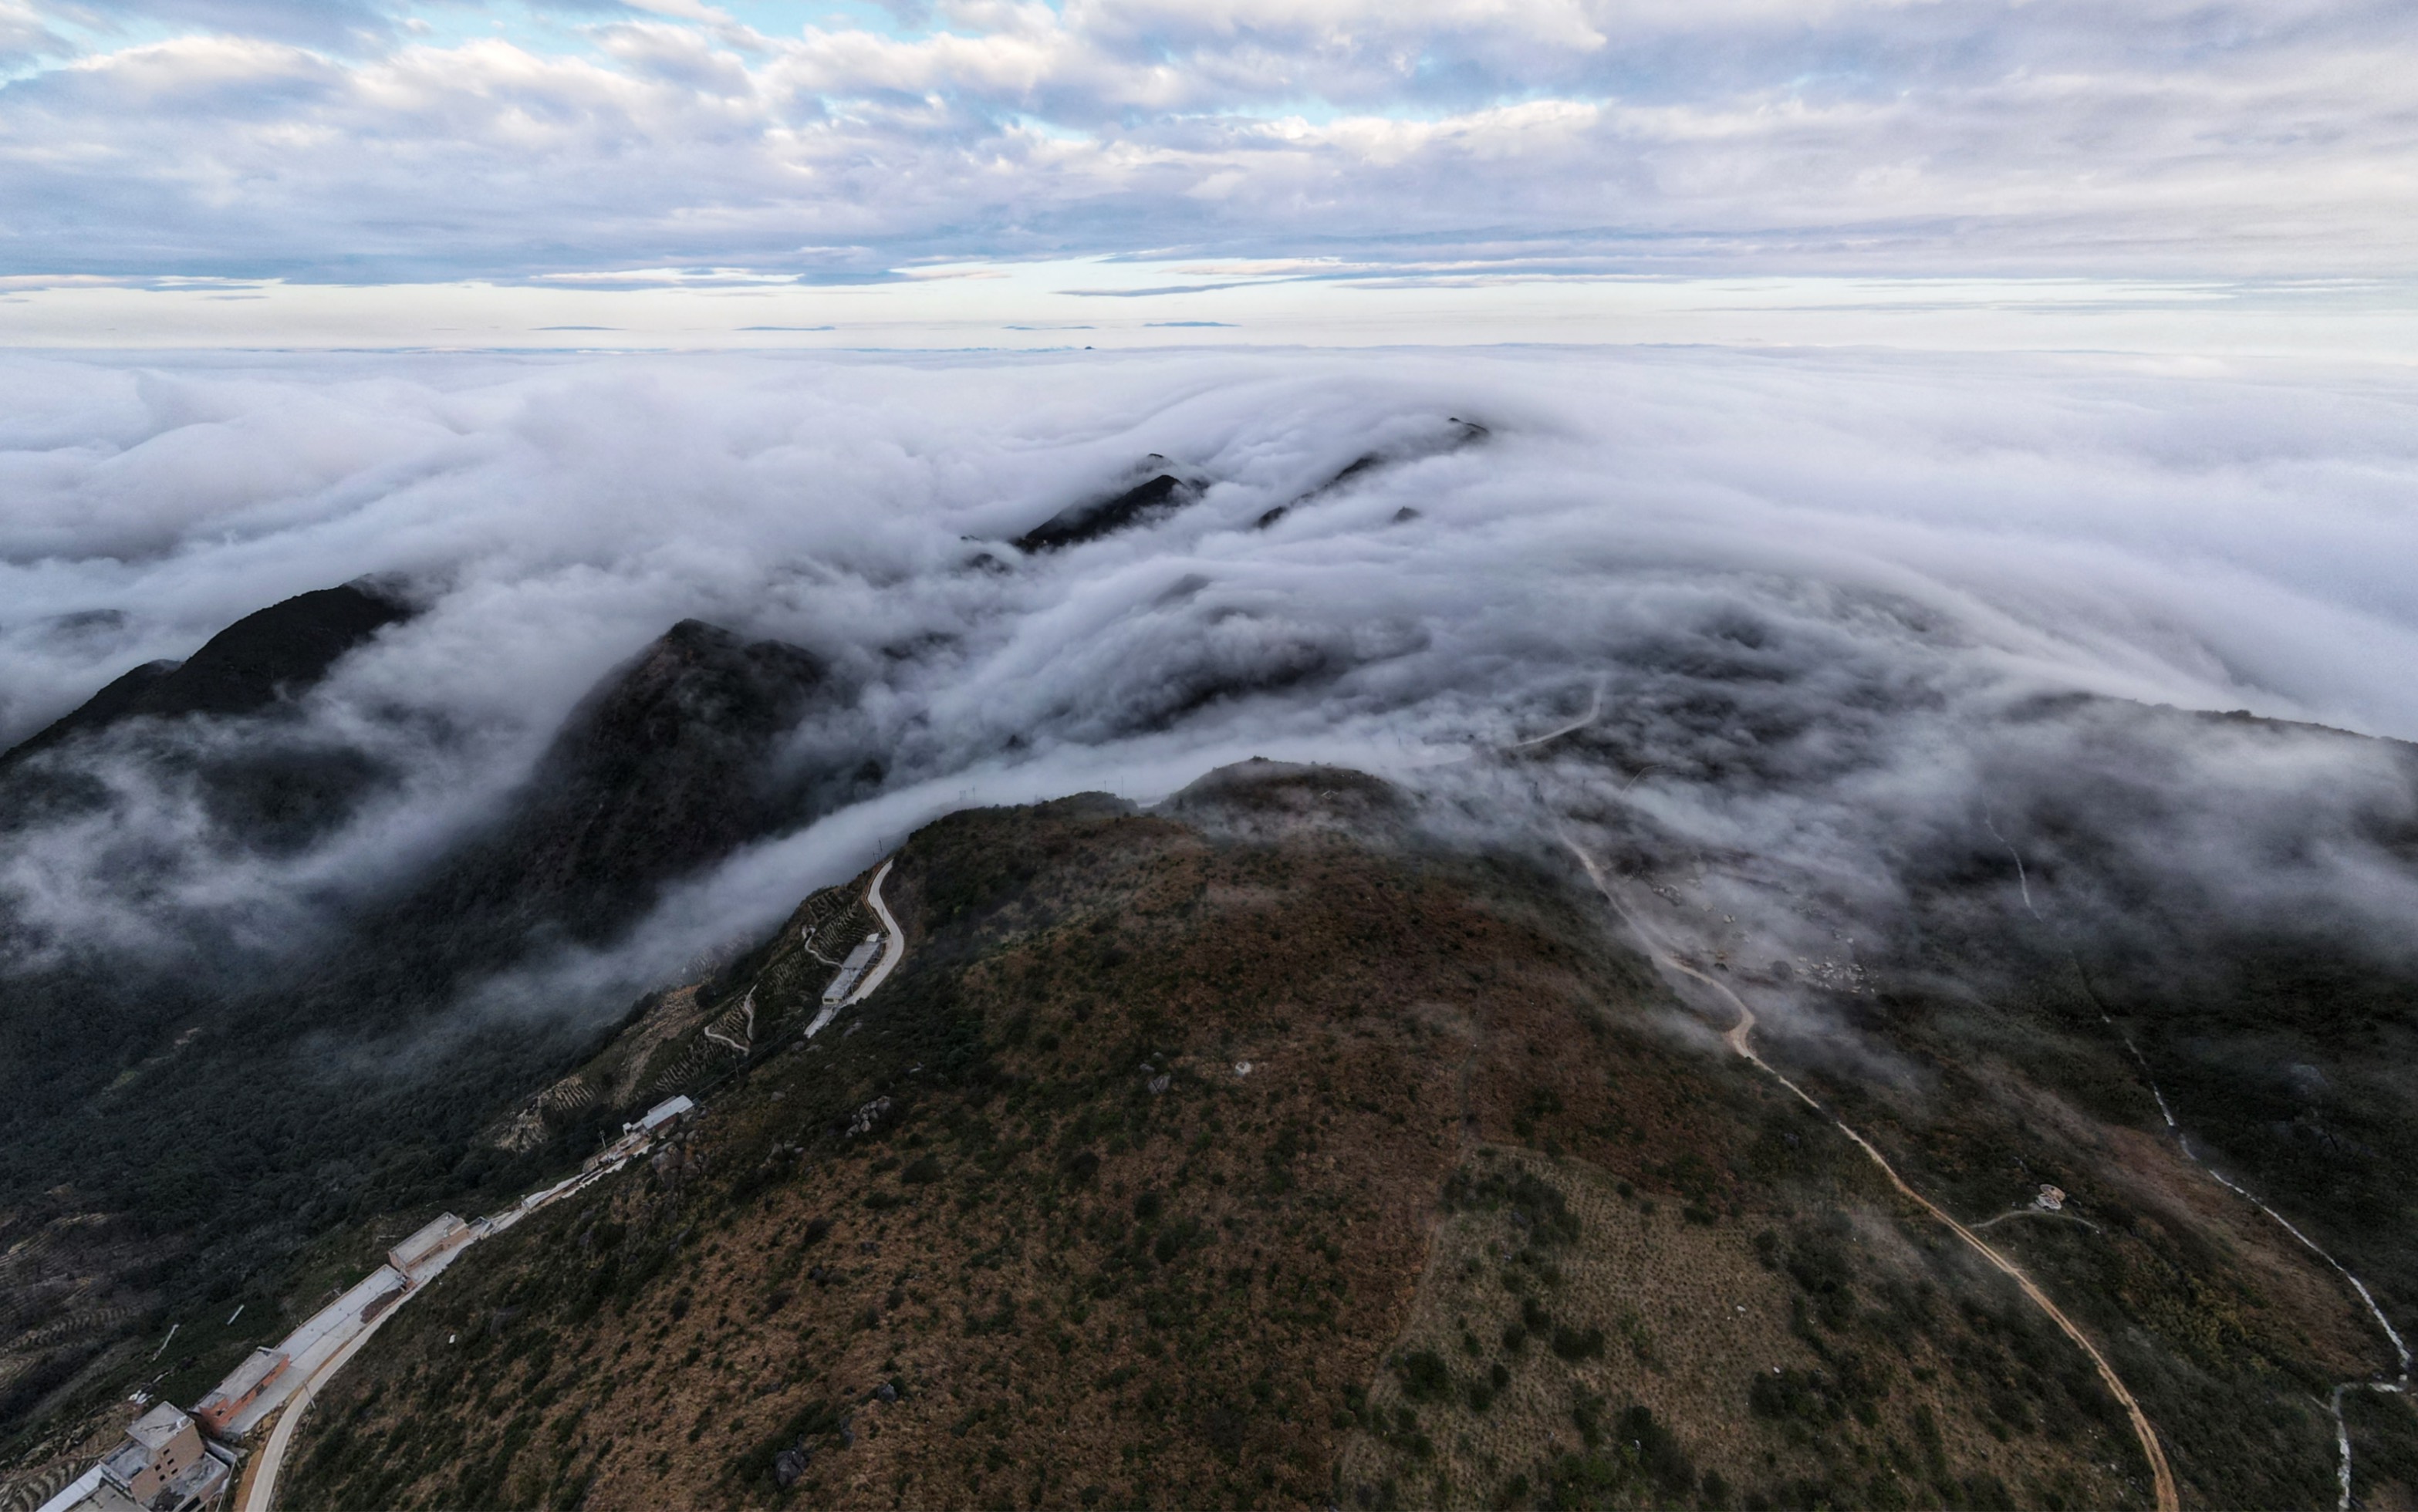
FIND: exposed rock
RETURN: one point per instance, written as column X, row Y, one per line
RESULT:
column 787, row 1466
column 1162, row 495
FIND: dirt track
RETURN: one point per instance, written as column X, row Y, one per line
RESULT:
column 1738, row 1038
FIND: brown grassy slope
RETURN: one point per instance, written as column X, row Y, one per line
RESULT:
column 1084, row 1292
column 2228, row 1331
column 1582, row 1344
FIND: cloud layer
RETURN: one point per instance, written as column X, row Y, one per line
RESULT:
column 1815, row 592
column 379, row 141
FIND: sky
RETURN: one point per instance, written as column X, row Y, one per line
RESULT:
column 1147, row 172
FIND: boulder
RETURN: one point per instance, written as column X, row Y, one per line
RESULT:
column 787, row 1466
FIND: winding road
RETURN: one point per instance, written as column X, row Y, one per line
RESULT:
column 894, row 943
column 2398, row 1386
column 1595, row 712
column 260, row 1488
column 1738, row 1039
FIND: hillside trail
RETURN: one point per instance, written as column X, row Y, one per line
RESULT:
column 1739, row 1039
column 1595, row 712
column 2399, row 1383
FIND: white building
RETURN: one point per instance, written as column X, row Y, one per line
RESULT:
column 659, row 1115
column 851, row 970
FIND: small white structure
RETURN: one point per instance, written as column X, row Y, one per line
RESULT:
column 852, row 969
column 659, row 1115
column 2051, row 1199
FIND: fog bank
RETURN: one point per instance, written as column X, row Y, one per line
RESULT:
column 1814, row 592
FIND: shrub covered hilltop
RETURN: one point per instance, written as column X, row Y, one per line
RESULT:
column 1258, row 1151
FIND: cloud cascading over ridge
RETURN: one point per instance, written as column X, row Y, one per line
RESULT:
column 392, row 142
column 1811, row 591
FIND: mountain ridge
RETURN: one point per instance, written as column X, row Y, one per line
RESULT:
column 1499, row 1207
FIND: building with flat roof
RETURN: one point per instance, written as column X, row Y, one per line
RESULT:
column 312, row 1343
column 427, row 1239
column 263, row 1372
column 162, row 1442
column 659, row 1115
column 163, row 1465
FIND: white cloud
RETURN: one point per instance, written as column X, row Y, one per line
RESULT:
column 1833, row 573
column 2049, row 136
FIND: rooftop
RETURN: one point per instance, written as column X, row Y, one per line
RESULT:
column 127, row 1461
column 435, row 1231
column 665, row 1111
column 154, row 1429
column 247, row 1375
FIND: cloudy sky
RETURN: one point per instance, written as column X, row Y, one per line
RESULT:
column 578, row 149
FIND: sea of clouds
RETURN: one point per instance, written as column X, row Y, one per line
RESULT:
column 1793, row 596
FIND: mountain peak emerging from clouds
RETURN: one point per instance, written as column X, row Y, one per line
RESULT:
column 277, row 653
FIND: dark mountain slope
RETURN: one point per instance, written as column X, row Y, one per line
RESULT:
column 237, row 1108
column 667, row 766
column 1153, row 498
column 275, row 653
column 218, row 728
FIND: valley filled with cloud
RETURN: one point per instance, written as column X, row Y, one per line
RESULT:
column 1842, row 569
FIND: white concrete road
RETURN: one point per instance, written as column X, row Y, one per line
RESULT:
column 263, row 1490
column 280, row 1438
column 273, row 1455
column 893, row 946
column 894, row 942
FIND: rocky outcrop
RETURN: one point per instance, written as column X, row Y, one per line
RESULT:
column 1161, row 495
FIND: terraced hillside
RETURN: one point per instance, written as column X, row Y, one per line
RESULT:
column 1261, row 1151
